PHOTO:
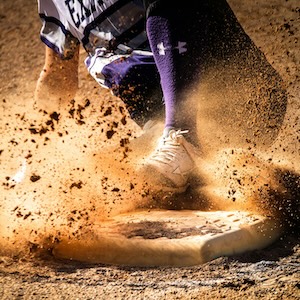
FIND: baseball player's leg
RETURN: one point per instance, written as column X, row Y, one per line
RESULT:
column 58, row 81
column 173, row 37
column 187, row 40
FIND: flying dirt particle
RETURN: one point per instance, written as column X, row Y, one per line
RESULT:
column 55, row 116
column 71, row 112
column 76, row 184
column 124, row 141
column 108, row 112
column 34, row 178
column 110, row 133
column 71, row 219
column 51, row 124
column 27, row 216
column 79, row 110
column 33, row 130
column 28, row 156
column 80, row 122
column 115, row 189
column 19, row 214
column 124, row 121
column 13, row 142
column 41, row 131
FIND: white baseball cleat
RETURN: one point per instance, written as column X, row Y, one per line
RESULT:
column 173, row 161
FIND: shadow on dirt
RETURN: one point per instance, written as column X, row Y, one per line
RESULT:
column 279, row 250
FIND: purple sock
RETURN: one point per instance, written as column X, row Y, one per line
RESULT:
column 165, row 54
column 176, row 34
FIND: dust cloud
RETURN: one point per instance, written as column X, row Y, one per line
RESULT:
column 63, row 171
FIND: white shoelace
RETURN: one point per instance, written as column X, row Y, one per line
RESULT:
column 168, row 147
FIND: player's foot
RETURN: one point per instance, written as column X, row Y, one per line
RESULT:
column 173, row 161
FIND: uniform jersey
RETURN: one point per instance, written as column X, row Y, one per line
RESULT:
column 113, row 34
column 96, row 24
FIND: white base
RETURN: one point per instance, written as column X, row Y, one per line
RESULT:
column 169, row 238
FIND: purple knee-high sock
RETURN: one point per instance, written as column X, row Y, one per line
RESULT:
column 165, row 53
column 176, row 35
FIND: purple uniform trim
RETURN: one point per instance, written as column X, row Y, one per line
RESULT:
column 52, row 46
column 55, row 21
column 123, row 72
column 50, row 35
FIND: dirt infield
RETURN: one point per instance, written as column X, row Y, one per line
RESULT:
column 95, row 120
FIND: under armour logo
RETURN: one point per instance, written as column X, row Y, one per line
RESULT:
column 181, row 46
column 162, row 49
